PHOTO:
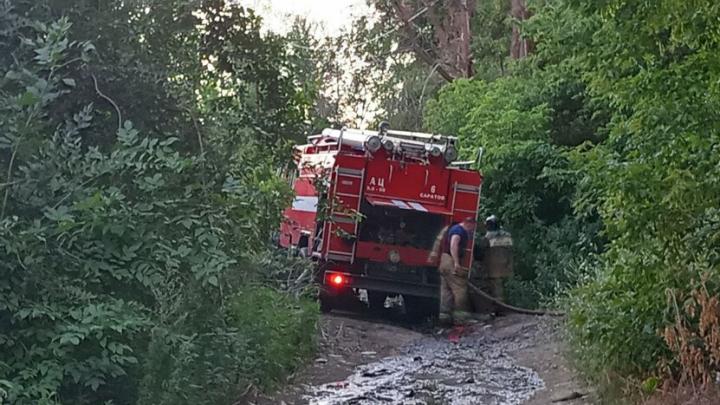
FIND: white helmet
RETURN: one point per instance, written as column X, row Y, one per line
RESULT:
column 491, row 223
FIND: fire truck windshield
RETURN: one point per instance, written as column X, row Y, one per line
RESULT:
column 394, row 226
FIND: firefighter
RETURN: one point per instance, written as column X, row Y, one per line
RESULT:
column 497, row 259
column 454, row 300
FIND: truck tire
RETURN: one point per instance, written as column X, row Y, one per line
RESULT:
column 337, row 299
column 326, row 303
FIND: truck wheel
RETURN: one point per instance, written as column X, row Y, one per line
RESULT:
column 376, row 301
column 325, row 303
column 335, row 299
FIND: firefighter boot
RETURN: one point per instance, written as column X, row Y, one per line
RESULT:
column 462, row 318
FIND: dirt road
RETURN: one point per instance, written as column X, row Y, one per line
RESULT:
column 514, row 359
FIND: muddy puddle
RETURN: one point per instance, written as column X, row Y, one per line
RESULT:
column 470, row 369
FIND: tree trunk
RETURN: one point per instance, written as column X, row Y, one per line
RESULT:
column 461, row 20
column 450, row 53
column 519, row 47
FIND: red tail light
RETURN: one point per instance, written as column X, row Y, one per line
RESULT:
column 337, row 279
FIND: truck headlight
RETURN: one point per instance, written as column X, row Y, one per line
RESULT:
column 394, row 256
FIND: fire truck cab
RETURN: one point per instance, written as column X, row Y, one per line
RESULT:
column 372, row 208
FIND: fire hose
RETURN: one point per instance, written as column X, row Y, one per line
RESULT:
column 508, row 307
column 511, row 308
column 478, row 291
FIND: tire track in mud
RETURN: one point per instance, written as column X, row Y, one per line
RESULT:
column 477, row 369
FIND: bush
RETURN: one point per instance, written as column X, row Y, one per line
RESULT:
column 654, row 178
column 279, row 329
column 260, row 336
column 127, row 254
column 529, row 180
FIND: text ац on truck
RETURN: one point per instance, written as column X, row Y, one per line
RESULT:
column 372, row 209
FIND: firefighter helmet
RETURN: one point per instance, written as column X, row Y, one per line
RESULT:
column 491, row 223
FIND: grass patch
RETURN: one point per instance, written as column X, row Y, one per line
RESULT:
column 278, row 332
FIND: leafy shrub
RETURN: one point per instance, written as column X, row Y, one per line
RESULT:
column 610, row 129
column 123, row 255
column 260, row 336
column 653, row 180
column 529, row 179
column 278, row 328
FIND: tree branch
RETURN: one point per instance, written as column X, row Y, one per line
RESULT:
column 427, row 58
column 9, row 177
column 419, row 51
column 109, row 100
column 12, row 183
column 427, row 79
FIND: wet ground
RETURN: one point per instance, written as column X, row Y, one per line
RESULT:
column 513, row 359
column 466, row 367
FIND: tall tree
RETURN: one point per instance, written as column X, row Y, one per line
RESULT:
column 492, row 33
column 138, row 146
column 521, row 46
column 438, row 33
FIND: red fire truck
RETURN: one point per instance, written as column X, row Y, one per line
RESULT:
column 372, row 208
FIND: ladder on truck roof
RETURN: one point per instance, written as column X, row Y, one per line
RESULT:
column 360, row 135
column 414, row 144
column 407, row 135
column 341, row 230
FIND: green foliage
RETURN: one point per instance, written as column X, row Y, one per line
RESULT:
column 448, row 112
column 313, row 63
column 614, row 119
column 261, row 335
column 279, row 328
column 126, row 246
column 491, row 29
column 529, row 180
column 654, row 181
